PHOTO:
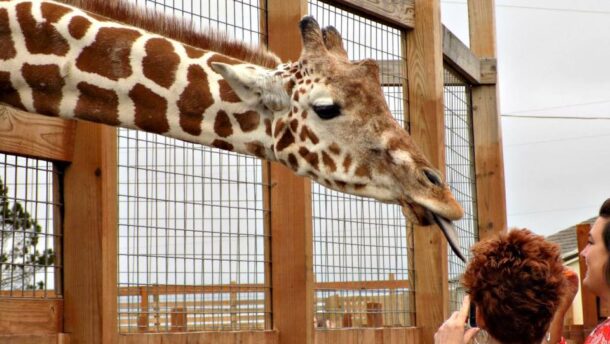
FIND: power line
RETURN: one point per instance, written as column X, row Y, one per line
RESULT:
column 571, row 10
column 603, row 101
column 557, row 140
column 603, row 118
column 551, row 210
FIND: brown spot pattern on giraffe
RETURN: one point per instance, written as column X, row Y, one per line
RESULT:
column 194, row 100
column 150, row 110
column 286, row 140
column 223, row 59
column 53, row 12
column 222, row 145
column 108, row 56
column 334, row 148
column 279, row 126
column 308, row 134
column 226, row 92
column 340, row 183
column 97, row 104
column 192, row 52
column 8, row 94
column 222, row 124
column 161, row 62
column 46, row 84
column 363, row 171
column 40, row 38
column 268, row 126
column 294, row 163
column 7, row 46
column 248, row 121
column 256, row 148
column 311, row 158
column 294, row 125
column 78, row 26
column 347, row 162
column 329, row 162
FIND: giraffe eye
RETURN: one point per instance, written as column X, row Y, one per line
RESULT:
column 433, row 177
column 327, row 111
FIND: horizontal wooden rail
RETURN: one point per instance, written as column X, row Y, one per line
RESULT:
column 193, row 289
column 397, row 13
column 35, row 136
column 61, row 338
column 369, row 336
column 27, row 316
column 362, row 285
column 237, row 337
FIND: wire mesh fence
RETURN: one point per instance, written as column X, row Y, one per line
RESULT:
column 459, row 153
column 192, row 219
column 30, row 234
column 363, row 248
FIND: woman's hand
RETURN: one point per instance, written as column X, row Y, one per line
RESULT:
column 452, row 330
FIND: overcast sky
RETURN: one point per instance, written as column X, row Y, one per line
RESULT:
column 553, row 60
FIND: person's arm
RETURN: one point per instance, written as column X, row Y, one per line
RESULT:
column 555, row 334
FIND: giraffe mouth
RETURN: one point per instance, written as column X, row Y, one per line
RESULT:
column 422, row 216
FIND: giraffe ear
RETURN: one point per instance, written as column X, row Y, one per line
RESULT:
column 254, row 85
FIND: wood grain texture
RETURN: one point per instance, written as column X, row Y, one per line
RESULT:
column 290, row 205
column 35, row 339
column 489, row 71
column 35, row 136
column 426, row 111
column 489, row 162
column 488, row 152
column 400, row 13
column 30, row 316
column 369, row 336
column 482, row 24
column 459, row 57
column 90, row 232
column 241, row 337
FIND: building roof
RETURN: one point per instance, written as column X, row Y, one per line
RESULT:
column 567, row 240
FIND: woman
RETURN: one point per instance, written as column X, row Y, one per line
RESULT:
column 597, row 278
column 517, row 283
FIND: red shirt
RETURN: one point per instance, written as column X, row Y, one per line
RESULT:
column 601, row 334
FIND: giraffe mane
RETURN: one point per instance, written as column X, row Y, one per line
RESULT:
column 177, row 29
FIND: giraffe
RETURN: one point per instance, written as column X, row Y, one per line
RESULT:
column 322, row 116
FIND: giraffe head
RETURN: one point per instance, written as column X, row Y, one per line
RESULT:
column 331, row 122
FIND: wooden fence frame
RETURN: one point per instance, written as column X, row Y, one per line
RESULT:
column 88, row 312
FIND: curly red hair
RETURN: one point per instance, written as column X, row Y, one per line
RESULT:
column 516, row 281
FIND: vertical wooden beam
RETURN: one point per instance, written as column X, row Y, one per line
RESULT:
column 489, row 159
column 589, row 302
column 426, row 112
column 90, row 237
column 291, row 222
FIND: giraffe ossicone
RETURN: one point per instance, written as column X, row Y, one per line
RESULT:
column 322, row 116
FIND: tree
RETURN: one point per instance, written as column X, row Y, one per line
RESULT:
column 20, row 258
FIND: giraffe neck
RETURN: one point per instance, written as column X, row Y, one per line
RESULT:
column 58, row 60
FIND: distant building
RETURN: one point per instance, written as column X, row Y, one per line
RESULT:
column 569, row 253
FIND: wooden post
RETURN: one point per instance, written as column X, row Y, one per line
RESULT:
column 489, row 160
column 589, row 302
column 291, row 223
column 90, row 237
column 143, row 319
column 426, row 113
column 233, row 305
column 178, row 319
column 374, row 317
